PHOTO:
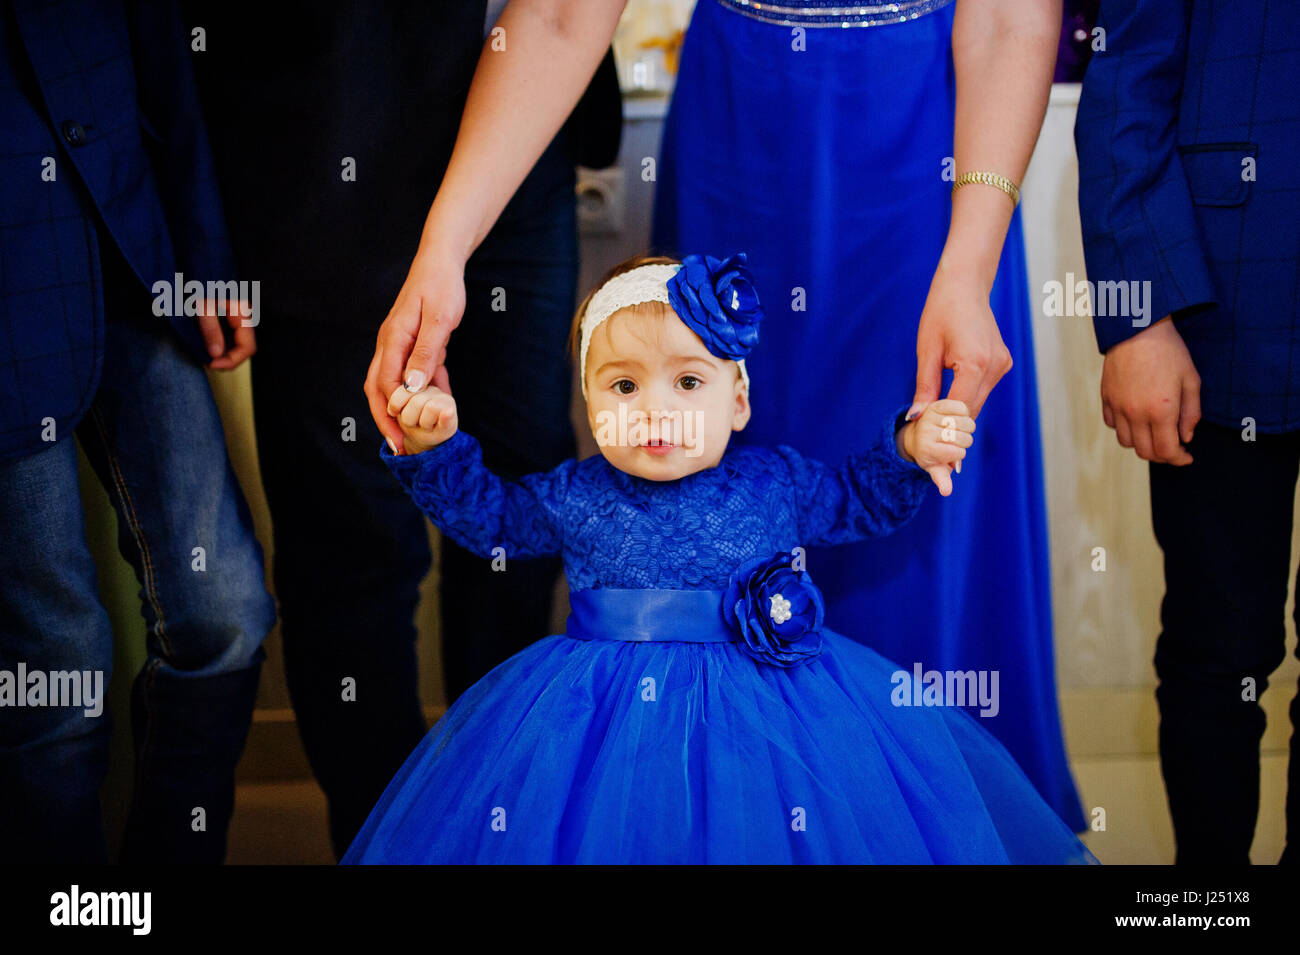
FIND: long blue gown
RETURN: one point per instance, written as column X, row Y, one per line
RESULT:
column 651, row 732
column 824, row 165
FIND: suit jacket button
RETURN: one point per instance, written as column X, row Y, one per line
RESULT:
column 74, row 133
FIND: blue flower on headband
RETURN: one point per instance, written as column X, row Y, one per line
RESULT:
column 717, row 301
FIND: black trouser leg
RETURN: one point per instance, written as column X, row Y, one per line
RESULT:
column 1224, row 523
column 350, row 552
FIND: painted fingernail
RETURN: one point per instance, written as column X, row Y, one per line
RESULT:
column 392, row 445
column 959, row 467
column 414, row 380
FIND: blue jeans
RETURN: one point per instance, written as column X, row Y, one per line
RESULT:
column 155, row 441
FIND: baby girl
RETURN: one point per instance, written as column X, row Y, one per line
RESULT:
column 697, row 707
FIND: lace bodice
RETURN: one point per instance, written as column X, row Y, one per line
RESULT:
column 617, row 530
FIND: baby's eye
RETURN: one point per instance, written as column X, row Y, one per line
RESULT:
column 624, row 386
column 689, row 382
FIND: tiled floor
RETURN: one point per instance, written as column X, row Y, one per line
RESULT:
column 1138, row 831
column 279, row 823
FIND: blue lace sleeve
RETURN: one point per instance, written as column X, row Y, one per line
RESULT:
column 870, row 495
column 479, row 510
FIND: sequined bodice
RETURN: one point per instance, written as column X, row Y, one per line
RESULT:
column 833, row 13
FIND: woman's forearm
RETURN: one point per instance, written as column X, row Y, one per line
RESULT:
column 1003, row 52
column 519, row 99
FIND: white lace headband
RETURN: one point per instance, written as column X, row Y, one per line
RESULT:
column 645, row 283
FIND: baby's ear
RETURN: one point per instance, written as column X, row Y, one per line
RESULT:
column 741, row 416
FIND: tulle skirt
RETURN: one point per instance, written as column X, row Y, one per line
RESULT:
column 605, row 751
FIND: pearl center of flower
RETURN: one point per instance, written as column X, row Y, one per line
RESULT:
column 780, row 609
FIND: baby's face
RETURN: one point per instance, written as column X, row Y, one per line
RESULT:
column 660, row 405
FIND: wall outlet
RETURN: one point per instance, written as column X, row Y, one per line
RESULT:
column 601, row 200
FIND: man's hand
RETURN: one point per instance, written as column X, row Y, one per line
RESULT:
column 427, row 417
column 210, row 321
column 958, row 331
column 412, row 342
column 1151, row 393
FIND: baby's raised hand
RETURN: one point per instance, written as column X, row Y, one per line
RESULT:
column 427, row 417
column 937, row 439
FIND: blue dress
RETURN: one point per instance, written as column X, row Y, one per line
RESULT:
column 647, row 733
column 825, row 165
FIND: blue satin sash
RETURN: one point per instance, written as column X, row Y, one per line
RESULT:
column 686, row 616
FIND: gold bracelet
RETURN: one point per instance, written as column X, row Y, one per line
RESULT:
column 989, row 179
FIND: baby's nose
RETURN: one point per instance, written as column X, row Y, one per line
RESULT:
column 655, row 402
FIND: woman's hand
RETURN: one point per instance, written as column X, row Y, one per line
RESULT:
column 958, row 331
column 937, row 440
column 1003, row 54
column 516, row 104
column 412, row 344
column 426, row 417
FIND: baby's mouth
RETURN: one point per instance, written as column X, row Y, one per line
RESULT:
column 658, row 447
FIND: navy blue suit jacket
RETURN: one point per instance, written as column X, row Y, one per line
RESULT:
column 1187, row 133
column 104, row 89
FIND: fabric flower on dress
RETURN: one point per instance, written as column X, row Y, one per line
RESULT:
column 776, row 610
column 717, row 300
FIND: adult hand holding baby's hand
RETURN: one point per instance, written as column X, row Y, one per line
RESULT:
column 412, row 342
column 959, row 331
column 427, row 417
column 937, row 440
